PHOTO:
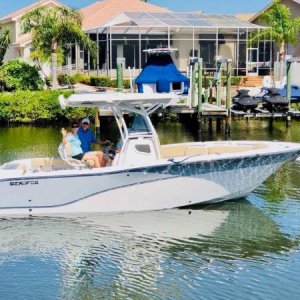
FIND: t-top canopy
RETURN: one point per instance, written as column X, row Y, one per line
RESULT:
column 116, row 99
column 160, row 50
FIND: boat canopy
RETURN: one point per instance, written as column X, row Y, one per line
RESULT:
column 116, row 99
column 161, row 71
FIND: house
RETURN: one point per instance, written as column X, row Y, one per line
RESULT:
column 124, row 29
column 21, row 43
column 294, row 6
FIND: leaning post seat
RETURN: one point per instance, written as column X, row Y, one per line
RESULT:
column 64, row 151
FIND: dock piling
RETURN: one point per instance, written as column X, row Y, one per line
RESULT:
column 200, row 84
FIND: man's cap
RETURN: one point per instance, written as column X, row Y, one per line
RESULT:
column 85, row 120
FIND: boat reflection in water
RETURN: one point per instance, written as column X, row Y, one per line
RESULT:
column 159, row 254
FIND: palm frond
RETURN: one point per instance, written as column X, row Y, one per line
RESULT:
column 5, row 41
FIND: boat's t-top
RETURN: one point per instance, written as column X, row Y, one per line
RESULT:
column 138, row 137
column 160, row 51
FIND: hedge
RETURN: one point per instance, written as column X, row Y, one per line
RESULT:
column 235, row 80
column 38, row 107
column 104, row 81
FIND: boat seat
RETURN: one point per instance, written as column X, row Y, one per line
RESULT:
column 234, row 149
column 19, row 167
column 171, row 151
column 64, row 153
column 43, row 164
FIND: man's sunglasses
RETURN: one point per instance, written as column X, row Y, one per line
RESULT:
column 75, row 126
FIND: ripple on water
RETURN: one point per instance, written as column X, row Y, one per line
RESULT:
column 232, row 248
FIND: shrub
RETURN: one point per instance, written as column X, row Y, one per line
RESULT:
column 38, row 107
column 82, row 78
column 101, row 81
column 65, row 79
column 295, row 106
column 235, row 80
column 19, row 75
column 126, row 83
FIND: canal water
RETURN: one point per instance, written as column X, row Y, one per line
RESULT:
column 244, row 249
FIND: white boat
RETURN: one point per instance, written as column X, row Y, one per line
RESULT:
column 144, row 175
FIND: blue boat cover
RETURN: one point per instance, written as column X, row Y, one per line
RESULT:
column 295, row 93
column 160, row 70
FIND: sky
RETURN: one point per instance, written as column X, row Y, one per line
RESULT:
column 208, row 6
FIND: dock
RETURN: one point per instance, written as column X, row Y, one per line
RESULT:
column 208, row 110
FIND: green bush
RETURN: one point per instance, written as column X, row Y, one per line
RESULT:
column 19, row 75
column 38, row 107
column 295, row 106
column 65, row 79
column 235, row 80
column 101, row 81
column 81, row 78
column 126, row 83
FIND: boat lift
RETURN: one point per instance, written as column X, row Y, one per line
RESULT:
column 206, row 110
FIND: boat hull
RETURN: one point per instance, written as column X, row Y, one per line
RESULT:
column 166, row 185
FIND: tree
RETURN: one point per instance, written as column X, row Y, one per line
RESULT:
column 283, row 28
column 5, row 41
column 19, row 75
column 52, row 28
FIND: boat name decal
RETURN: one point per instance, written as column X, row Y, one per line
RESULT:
column 25, row 182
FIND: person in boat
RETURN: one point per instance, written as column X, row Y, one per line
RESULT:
column 87, row 137
column 77, row 151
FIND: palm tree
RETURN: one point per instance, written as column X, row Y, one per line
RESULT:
column 283, row 28
column 52, row 28
column 5, row 41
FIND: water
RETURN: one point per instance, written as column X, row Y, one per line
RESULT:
column 245, row 249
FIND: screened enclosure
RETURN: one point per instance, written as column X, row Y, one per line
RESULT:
column 193, row 35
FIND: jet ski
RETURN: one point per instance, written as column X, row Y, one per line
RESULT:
column 244, row 102
column 274, row 102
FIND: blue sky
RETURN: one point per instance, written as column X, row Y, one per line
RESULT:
column 209, row 6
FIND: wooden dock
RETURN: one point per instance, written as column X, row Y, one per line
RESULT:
column 207, row 109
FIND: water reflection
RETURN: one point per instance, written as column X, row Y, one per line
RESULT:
column 284, row 184
column 160, row 255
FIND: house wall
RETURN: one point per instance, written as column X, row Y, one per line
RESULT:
column 294, row 7
column 184, row 44
column 228, row 50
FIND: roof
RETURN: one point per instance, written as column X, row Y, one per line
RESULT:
column 174, row 19
column 96, row 14
column 257, row 15
column 19, row 13
column 245, row 16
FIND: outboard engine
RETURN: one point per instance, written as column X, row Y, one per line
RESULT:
column 274, row 102
column 244, row 102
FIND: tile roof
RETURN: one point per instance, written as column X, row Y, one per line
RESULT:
column 100, row 12
column 28, row 8
column 245, row 16
column 258, row 14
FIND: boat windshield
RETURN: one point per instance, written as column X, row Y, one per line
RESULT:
column 136, row 123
